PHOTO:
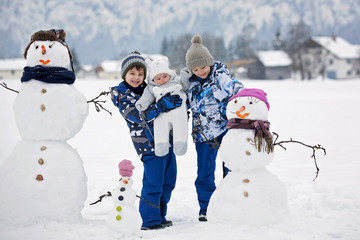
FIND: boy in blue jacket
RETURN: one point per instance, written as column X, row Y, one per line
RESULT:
column 159, row 176
column 210, row 88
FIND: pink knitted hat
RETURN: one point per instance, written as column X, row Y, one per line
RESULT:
column 252, row 92
column 126, row 168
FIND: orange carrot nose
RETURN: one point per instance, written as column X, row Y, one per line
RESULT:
column 125, row 181
column 238, row 113
column 43, row 51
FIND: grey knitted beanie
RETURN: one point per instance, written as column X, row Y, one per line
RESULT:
column 132, row 60
column 198, row 55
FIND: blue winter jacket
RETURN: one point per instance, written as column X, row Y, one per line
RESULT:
column 141, row 126
column 208, row 99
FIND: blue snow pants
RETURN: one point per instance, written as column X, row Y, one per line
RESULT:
column 206, row 164
column 158, row 182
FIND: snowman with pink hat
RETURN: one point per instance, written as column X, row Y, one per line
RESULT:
column 249, row 194
column 124, row 217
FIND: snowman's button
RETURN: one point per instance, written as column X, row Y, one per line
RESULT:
column 248, row 139
column 122, row 189
column 246, row 194
column 43, row 90
column 246, row 180
column 43, row 148
column 118, row 208
column 118, row 217
column 43, row 107
column 41, row 161
column 39, row 177
column 248, row 153
column 121, row 198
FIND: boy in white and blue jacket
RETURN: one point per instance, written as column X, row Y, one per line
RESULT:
column 210, row 88
column 159, row 176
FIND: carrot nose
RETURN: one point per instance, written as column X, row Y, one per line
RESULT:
column 43, row 51
column 125, row 181
column 238, row 112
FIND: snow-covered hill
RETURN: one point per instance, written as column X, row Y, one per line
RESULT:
column 100, row 29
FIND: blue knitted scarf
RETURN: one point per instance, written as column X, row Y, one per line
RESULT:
column 48, row 74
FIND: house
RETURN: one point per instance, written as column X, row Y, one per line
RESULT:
column 110, row 69
column 273, row 64
column 331, row 57
column 238, row 68
column 12, row 68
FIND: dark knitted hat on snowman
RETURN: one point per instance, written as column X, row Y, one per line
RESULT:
column 49, row 35
column 132, row 60
column 198, row 55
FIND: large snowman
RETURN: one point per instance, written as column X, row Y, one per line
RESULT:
column 249, row 194
column 123, row 217
column 44, row 178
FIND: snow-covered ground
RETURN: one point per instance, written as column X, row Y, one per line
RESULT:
column 314, row 112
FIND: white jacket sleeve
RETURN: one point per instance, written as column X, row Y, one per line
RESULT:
column 146, row 99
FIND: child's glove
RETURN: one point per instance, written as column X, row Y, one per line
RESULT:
column 168, row 102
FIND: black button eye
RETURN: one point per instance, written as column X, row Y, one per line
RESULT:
column 250, row 102
column 121, row 198
column 235, row 101
column 122, row 189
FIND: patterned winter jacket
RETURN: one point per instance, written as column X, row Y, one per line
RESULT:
column 141, row 126
column 208, row 99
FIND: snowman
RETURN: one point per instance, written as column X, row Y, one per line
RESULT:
column 123, row 217
column 44, row 178
column 249, row 194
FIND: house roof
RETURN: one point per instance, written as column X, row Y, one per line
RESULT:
column 338, row 46
column 274, row 58
column 12, row 64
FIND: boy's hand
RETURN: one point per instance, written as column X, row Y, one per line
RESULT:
column 169, row 102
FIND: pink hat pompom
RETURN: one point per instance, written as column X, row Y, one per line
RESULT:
column 126, row 168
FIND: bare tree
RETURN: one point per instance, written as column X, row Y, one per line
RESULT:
column 298, row 34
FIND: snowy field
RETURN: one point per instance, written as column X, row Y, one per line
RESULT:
column 316, row 112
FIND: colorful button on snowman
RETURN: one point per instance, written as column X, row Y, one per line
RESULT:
column 43, row 171
column 124, row 217
column 249, row 194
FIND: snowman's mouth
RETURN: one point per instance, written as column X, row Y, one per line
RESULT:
column 44, row 62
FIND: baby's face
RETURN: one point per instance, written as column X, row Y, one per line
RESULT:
column 161, row 78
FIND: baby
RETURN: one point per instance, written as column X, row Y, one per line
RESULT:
column 164, row 81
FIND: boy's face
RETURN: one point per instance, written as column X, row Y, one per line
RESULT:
column 202, row 71
column 161, row 78
column 135, row 77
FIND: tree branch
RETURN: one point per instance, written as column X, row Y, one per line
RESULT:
column 98, row 103
column 101, row 197
column 314, row 148
column 4, row 85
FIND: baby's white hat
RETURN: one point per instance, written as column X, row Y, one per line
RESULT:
column 157, row 66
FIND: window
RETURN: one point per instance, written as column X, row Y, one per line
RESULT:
column 331, row 61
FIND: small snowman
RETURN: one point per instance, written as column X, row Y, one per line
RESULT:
column 123, row 217
column 249, row 194
column 44, row 178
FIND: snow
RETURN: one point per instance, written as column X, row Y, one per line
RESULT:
column 338, row 46
column 274, row 58
column 315, row 112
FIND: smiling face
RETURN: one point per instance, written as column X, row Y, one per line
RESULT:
column 135, row 76
column 247, row 108
column 48, row 54
column 202, row 71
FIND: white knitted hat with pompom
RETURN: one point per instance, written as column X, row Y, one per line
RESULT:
column 198, row 55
